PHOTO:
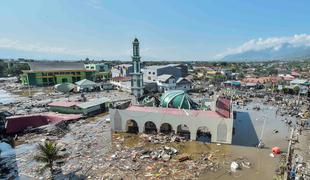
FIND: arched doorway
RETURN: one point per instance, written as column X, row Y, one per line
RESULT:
column 203, row 134
column 183, row 131
column 222, row 132
column 150, row 128
column 166, row 128
column 132, row 126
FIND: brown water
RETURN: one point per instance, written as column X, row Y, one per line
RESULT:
column 32, row 91
column 249, row 128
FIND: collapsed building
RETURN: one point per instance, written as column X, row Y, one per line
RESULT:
column 178, row 114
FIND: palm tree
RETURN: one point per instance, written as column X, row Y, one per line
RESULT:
column 48, row 154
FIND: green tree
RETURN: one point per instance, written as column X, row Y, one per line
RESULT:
column 3, row 68
column 217, row 79
column 49, row 153
column 241, row 75
column 296, row 89
column 17, row 68
column 285, row 90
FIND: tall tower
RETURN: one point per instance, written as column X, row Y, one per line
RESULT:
column 136, row 75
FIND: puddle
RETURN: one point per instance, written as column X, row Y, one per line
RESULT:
column 34, row 91
column 6, row 97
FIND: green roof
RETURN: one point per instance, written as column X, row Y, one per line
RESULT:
column 177, row 99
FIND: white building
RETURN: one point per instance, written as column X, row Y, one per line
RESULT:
column 122, row 70
column 122, row 83
column 151, row 73
column 178, row 114
column 100, row 67
column 166, row 82
column 183, row 84
column 86, row 85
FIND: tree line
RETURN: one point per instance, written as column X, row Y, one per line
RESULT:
column 8, row 68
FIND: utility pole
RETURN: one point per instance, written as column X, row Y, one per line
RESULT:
column 298, row 96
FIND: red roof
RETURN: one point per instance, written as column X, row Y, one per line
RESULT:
column 63, row 103
column 261, row 80
column 175, row 111
column 294, row 73
column 288, row 78
column 223, row 107
column 121, row 78
column 16, row 124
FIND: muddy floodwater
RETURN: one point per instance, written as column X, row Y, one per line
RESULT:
column 28, row 92
column 6, row 97
column 250, row 126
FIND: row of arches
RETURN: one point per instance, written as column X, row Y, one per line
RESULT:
column 203, row 133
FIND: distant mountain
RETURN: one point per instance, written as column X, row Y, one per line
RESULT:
column 270, row 54
column 283, row 48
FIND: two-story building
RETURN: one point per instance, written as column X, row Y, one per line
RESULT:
column 122, row 70
column 151, row 73
column 44, row 73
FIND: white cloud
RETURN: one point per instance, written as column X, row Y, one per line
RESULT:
column 275, row 43
column 40, row 48
column 96, row 4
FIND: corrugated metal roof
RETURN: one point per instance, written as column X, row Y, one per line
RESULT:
column 17, row 124
column 92, row 103
column 55, row 65
column 299, row 81
column 164, row 77
column 161, row 66
column 85, row 82
column 181, row 79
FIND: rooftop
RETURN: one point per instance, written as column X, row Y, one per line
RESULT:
column 122, row 78
column 177, row 99
column 160, row 66
column 85, row 82
column 55, row 65
column 83, row 105
column 299, row 81
column 63, row 103
column 172, row 111
column 164, row 77
column 123, row 65
column 17, row 124
column 93, row 102
column 261, row 79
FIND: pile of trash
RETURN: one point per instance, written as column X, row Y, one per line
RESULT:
column 161, row 138
column 238, row 164
column 164, row 153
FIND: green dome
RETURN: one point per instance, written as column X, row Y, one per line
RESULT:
column 177, row 99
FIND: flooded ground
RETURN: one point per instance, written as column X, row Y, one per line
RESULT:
column 6, row 97
column 250, row 126
column 28, row 92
